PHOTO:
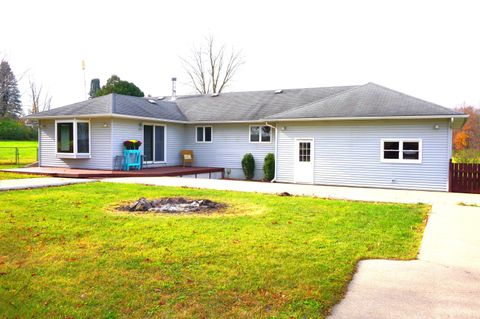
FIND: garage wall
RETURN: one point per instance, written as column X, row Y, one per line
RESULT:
column 348, row 153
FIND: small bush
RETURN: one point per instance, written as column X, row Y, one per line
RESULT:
column 269, row 167
column 16, row 131
column 248, row 166
column 466, row 156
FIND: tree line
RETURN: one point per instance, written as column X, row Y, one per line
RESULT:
column 466, row 141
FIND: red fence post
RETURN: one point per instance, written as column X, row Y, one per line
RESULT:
column 450, row 175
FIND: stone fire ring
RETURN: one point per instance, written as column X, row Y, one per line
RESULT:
column 172, row 205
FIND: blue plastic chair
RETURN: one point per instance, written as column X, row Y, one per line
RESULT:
column 132, row 159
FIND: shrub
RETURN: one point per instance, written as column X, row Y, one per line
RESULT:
column 15, row 130
column 269, row 167
column 248, row 166
column 466, row 156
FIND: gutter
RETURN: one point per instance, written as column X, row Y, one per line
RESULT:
column 110, row 115
column 275, row 152
column 408, row 117
column 107, row 115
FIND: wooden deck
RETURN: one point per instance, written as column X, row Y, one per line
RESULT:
column 91, row 173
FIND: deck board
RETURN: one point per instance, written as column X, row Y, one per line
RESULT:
column 91, row 173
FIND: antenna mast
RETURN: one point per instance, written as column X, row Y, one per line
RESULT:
column 84, row 80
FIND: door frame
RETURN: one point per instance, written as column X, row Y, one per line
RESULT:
column 164, row 144
column 312, row 157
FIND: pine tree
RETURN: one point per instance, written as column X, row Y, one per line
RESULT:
column 94, row 88
column 10, row 104
column 115, row 85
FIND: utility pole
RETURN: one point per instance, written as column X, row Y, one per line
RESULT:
column 84, row 79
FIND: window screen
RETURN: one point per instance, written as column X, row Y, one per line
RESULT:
column 65, row 137
column 83, row 138
column 254, row 133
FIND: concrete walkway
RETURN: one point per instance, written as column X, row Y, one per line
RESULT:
column 351, row 193
column 26, row 183
column 444, row 282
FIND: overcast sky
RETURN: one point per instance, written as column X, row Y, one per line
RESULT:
column 429, row 49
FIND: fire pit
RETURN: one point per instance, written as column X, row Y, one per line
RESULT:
column 172, row 205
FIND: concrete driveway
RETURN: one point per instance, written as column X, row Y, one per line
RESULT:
column 26, row 183
column 444, row 282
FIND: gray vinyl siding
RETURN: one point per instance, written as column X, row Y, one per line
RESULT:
column 230, row 142
column 348, row 153
column 100, row 146
column 124, row 129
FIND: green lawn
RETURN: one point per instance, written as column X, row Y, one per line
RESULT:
column 64, row 253
column 27, row 152
column 7, row 175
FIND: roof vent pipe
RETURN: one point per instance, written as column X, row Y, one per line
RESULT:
column 174, row 88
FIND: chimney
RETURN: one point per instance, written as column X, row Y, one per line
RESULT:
column 174, row 89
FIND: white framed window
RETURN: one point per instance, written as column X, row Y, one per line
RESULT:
column 73, row 138
column 203, row 134
column 401, row 150
column 260, row 134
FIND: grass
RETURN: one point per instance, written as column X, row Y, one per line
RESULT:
column 8, row 175
column 65, row 252
column 27, row 152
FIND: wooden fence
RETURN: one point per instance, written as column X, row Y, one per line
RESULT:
column 464, row 178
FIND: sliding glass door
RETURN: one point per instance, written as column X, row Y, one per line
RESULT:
column 154, row 144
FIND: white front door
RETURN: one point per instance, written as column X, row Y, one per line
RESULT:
column 304, row 161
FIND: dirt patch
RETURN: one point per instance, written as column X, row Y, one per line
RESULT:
column 173, row 205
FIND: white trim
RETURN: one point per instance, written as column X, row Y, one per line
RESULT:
column 75, row 153
column 400, row 150
column 259, row 134
column 106, row 115
column 410, row 117
column 39, row 150
column 275, row 153
column 153, row 141
column 203, row 129
column 312, row 156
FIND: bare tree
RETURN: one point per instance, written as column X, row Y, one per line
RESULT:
column 211, row 69
column 40, row 102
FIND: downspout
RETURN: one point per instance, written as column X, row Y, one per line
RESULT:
column 275, row 152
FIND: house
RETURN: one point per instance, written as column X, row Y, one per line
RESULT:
column 365, row 135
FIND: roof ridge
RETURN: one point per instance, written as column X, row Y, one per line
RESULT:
column 317, row 101
column 256, row 91
column 179, row 110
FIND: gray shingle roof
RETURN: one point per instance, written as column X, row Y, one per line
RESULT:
column 112, row 104
column 369, row 100
column 247, row 106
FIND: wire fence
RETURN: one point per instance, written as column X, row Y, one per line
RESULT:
column 18, row 155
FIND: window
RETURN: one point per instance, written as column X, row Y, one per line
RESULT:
column 304, row 151
column 401, row 150
column 260, row 134
column 204, row 134
column 65, row 137
column 73, row 138
column 83, row 139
